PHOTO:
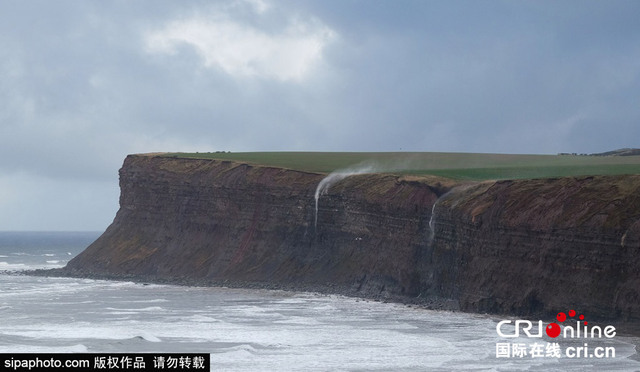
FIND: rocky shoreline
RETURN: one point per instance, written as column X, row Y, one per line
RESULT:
column 630, row 329
column 430, row 303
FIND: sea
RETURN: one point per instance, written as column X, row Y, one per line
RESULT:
column 261, row 330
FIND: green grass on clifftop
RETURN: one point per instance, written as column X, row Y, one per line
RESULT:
column 460, row 166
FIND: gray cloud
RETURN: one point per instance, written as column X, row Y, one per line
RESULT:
column 81, row 86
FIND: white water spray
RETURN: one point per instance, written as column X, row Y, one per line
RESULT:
column 432, row 221
column 332, row 178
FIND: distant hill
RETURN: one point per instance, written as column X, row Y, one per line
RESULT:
column 619, row 152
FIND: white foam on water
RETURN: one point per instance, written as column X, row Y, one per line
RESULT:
column 294, row 300
column 197, row 318
column 5, row 266
column 20, row 348
column 247, row 330
column 71, row 331
column 297, row 320
column 154, row 300
column 150, row 308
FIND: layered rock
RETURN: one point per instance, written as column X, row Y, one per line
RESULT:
column 222, row 220
column 526, row 247
column 544, row 245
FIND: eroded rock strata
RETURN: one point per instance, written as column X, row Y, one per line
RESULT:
column 520, row 247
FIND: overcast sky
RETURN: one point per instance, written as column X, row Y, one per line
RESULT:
column 84, row 83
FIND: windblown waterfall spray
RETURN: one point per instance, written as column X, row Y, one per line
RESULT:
column 432, row 220
column 332, row 178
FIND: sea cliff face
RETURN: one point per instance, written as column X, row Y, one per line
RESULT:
column 520, row 247
column 539, row 246
column 221, row 220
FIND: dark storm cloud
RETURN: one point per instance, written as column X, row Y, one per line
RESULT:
column 497, row 76
column 82, row 84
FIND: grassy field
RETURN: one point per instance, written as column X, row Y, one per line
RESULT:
column 459, row 166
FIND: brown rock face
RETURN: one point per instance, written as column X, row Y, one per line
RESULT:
column 523, row 247
column 540, row 246
column 220, row 220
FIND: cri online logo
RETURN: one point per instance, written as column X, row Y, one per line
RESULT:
column 554, row 330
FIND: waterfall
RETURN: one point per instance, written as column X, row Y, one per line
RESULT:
column 332, row 178
column 432, row 221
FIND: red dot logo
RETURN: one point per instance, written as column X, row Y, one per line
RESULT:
column 572, row 313
column 553, row 330
column 561, row 317
column 581, row 317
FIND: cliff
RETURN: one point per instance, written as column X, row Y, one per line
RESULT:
column 522, row 247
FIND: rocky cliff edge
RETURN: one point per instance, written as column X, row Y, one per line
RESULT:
column 523, row 247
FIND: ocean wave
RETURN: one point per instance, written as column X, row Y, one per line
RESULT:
column 20, row 348
column 10, row 268
column 240, row 350
column 150, row 308
column 5, row 266
column 147, row 337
